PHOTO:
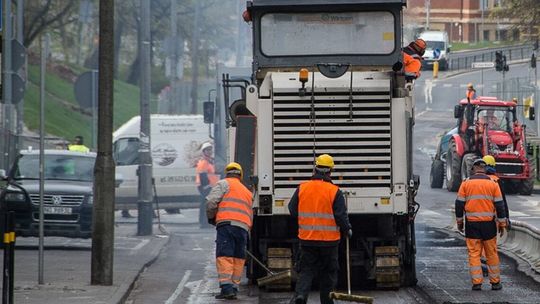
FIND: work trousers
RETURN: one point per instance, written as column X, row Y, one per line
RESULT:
column 475, row 247
column 231, row 244
column 321, row 261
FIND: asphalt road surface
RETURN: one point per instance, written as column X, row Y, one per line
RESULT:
column 185, row 271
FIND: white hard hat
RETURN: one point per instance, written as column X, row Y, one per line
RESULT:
column 206, row 145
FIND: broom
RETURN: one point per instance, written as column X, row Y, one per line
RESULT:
column 272, row 276
column 348, row 297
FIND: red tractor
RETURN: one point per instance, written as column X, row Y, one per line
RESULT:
column 487, row 126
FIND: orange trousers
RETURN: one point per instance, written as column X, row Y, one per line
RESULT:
column 230, row 270
column 475, row 248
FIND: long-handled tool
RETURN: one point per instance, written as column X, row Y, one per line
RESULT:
column 348, row 297
column 272, row 276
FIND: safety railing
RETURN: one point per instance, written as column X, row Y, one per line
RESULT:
column 463, row 60
column 523, row 240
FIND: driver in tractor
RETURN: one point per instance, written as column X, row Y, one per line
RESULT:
column 489, row 119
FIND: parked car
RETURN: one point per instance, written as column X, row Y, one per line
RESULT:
column 68, row 193
column 438, row 164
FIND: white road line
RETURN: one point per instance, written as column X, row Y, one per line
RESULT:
column 448, row 85
column 179, row 288
column 141, row 244
column 421, row 113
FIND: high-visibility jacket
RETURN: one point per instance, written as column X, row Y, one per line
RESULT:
column 206, row 166
column 480, row 199
column 236, row 206
column 496, row 179
column 316, row 220
column 78, row 148
column 471, row 94
column 412, row 63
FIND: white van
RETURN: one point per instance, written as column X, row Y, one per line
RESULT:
column 437, row 41
column 176, row 142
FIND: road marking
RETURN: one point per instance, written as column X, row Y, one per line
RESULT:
column 179, row 288
column 141, row 244
column 448, row 85
column 421, row 113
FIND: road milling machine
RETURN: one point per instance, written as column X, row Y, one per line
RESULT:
column 327, row 78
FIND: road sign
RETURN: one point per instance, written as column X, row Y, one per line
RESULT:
column 86, row 89
column 483, row 65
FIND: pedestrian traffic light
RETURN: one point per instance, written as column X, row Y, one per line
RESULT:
column 499, row 61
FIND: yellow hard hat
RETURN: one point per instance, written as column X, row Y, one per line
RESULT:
column 325, row 160
column 489, row 160
column 234, row 168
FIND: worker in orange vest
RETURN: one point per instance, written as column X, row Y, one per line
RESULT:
column 205, row 179
column 320, row 210
column 471, row 92
column 479, row 203
column 492, row 173
column 229, row 207
column 412, row 59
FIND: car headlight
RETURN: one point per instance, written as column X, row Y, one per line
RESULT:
column 15, row 197
column 90, row 199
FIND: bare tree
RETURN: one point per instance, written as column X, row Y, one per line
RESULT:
column 525, row 14
column 46, row 15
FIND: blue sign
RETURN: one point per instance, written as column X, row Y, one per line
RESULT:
column 436, row 53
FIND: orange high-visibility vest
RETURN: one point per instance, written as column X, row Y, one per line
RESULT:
column 412, row 64
column 236, row 205
column 479, row 196
column 471, row 94
column 204, row 166
column 315, row 213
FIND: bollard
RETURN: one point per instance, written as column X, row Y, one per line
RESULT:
column 9, row 259
column 436, row 69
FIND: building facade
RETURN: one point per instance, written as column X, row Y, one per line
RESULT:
column 463, row 20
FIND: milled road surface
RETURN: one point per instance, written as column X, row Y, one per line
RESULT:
column 185, row 272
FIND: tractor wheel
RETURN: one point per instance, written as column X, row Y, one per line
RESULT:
column 466, row 165
column 436, row 175
column 526, row 186
column 453, row 168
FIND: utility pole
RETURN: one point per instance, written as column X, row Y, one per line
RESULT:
column 104, row 170
column 20, row 105
column 195, row 58
column 144, row 204
column 7, row 91
column 428, row 9
column 173, row 97
column 239, row 37
column 482, row 8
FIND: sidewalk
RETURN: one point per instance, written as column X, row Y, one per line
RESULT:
column 67, row 265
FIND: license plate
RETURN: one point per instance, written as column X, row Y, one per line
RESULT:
column 56, row 210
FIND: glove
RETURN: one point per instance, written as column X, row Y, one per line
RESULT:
column 501, row 230
column 460, row 227
column 212, row 221
column 347, row 233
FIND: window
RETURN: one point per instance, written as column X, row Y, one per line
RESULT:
column 64, row 167
column 126, row 151
column 351, row 33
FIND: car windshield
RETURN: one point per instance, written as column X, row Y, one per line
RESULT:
column 324, row 33
column 433, row 45
column 64, row 167
column 496, row 119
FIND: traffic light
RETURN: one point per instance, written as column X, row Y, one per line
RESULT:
column 499, row 66
column 533, row 61
column 505, row 66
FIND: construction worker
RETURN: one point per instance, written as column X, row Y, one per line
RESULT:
column 479, row 203
column 78, row 145
column 470, row 94
column 412, row 59
column 229, row 208
column 205, row 179
column 321, row 212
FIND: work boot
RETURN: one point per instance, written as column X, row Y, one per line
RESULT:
column 477, row 287
column 222, row 296
column 125, row 214
column 496, row 286
column 299, row 300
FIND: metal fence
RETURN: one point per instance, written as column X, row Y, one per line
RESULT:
column 463, row 60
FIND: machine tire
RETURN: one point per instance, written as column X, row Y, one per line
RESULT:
column 453, row 168
column 526, row 186
column 436, row 175
column 466, row 165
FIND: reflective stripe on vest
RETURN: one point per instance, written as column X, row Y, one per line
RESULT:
column 315, row 211
column 236, row 205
